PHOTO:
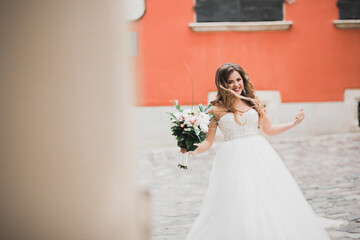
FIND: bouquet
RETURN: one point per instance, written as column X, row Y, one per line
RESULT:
column 190, row 128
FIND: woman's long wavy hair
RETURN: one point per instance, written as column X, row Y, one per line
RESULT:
column 226, row 96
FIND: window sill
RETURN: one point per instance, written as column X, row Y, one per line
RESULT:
column 347, row 24
column 240, row 26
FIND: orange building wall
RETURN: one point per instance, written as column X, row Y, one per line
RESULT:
column 311, row 62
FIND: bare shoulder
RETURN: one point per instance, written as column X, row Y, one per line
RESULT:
column 218, row 110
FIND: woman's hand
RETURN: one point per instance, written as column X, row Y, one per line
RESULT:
column 299, row 117
column 275, row 129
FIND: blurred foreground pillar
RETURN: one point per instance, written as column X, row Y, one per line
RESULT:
column 66, row 170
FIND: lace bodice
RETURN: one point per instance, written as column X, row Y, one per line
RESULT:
column 233, row 130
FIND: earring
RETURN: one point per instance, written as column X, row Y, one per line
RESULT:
column 244, row 91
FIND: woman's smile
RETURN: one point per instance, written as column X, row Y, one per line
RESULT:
column 235, row 82
column 237, row 90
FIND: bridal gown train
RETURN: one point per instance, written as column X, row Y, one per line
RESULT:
column 251, row 194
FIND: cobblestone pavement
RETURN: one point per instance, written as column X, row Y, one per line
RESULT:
column 327, row 169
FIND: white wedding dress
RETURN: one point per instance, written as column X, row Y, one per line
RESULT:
column 251, row 194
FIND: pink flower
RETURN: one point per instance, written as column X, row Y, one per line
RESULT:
column 182, row 125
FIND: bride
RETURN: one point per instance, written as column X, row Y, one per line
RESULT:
column 251, row 195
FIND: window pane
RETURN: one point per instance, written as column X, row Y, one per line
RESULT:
column 217, row 10
column 238, row 10
column 261, row 10
column 349, row 9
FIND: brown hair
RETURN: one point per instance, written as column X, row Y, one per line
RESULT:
column 226, row 96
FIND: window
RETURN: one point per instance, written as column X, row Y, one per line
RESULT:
column 239, row 15
column 349, row 9
column 238, row 10
column 349, row 14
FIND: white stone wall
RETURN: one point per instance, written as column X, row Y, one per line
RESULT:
column 322, row 118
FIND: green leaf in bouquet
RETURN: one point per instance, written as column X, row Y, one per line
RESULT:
column 195, row 138
column 188, row 147
column 211, row 115
column 202, row 136
column 197, row 131
column 207, row 108
column 176, row 104
column 173, row 117
column 189, row 143
column 181, row 144
column 176, row 130
column 201, row 108
column 191, row 137
column 193, row 148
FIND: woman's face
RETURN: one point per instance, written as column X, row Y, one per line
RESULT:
column 235, row 82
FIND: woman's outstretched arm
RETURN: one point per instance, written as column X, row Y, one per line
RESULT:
column 275, row 129
column 206, row 144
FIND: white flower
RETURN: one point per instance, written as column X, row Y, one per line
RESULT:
column 203, row 115
column 187, row 111
column 187, row 121
column 204, row 127
column 203, row 121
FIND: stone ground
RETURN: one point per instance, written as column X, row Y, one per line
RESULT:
column 327, row 169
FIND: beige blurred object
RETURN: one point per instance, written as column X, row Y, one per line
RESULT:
column 144, row 208
column 67, row 169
